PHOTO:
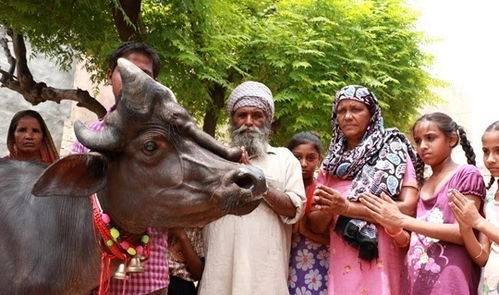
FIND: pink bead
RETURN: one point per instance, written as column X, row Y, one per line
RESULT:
column 125, row 245
column 140, row 250
column 106, row 218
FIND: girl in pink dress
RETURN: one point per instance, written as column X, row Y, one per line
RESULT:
column 365, row 257
column 485, row 249
column 437, row 261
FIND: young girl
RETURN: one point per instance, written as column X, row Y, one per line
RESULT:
column 484, row 251
column 437, row 261
column 309, row 257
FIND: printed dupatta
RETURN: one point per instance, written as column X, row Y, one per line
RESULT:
column 377, row 164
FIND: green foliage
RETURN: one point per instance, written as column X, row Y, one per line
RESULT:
column 304, row 50
column 307, row 50
column 65, row 30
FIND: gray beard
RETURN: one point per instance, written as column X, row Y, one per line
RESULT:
column 253, row 139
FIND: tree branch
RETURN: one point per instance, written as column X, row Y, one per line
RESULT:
column 126, row 18
column 10, row 59
column 37, row 92
column 24, row 75
column 217, row 94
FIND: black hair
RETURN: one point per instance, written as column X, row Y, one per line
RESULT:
column 448, row 127
column 306, row 137
column 135, row 47
column 492, row 127
column 419, row 167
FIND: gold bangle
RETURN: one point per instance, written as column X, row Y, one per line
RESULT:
column 347, row 208
column 481, row 251
column 406, row 243
column 395, row 234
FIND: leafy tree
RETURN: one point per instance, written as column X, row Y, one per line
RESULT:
column 304, row 50
column 330, row 44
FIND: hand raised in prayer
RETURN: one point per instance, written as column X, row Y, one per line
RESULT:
column 464, row 209
column 383, row 210
column 244, row 156
column 330, row 200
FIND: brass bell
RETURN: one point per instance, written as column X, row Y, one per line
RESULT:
column 135, row 265
column 120, row 273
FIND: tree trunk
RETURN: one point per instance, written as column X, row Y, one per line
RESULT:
column 217, row 94
column 126, row 19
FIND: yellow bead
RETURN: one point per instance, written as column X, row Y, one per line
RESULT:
column 145, row 239
column 115, row 233
column 131, row 251
column 109, row 243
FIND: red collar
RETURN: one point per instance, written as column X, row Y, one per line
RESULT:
column 117, row 243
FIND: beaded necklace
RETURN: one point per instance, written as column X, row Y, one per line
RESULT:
column 118, row 245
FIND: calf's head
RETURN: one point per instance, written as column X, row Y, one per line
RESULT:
column 152, row 166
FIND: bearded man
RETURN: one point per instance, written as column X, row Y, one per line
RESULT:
column 250, row 254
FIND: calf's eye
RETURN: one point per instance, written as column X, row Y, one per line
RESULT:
column 150, row 146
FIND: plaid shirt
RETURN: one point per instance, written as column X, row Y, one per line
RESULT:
column 155, row 275
column 176, row 260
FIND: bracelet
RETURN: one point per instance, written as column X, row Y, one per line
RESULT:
column 481, row 251
column 405, row 244
column 347, row 208
column 395, row 234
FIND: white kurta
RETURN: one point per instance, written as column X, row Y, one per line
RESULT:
column 249, row 254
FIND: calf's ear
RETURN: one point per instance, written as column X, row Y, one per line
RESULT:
column 78, row 175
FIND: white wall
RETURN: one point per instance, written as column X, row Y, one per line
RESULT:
column 466, row 54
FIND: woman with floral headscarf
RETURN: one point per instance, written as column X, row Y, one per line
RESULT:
column 363, row 158
column 29, row 139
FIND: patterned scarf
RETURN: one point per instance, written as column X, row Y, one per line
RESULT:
column 377, row 164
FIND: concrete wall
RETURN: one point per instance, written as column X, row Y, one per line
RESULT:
column 465, row 56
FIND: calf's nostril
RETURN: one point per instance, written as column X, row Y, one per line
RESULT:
column 251, row 178
column 244, row 181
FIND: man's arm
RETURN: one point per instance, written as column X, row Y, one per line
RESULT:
column 279, row 202
column 288, row 199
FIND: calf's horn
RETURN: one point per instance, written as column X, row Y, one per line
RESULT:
column 133, row 92
column 135, row 82
column 104, row 140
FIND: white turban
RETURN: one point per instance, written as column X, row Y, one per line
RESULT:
column 251, row 94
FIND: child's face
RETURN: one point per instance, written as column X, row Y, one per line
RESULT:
column 490, row 148
column 309, row 159
column 432, row 145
